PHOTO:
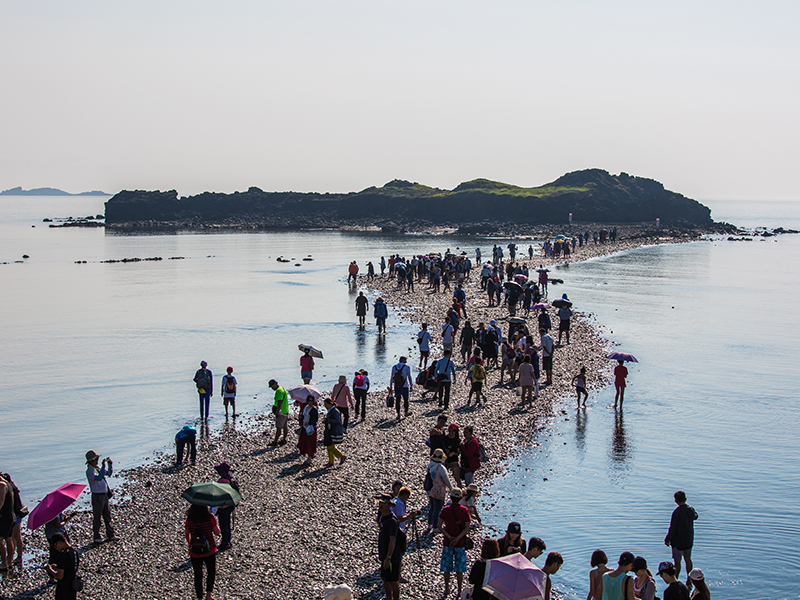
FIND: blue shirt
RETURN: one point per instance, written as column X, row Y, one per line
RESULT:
column 97, row 478
column 445, row 366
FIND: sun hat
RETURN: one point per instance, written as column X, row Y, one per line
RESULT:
column 342, row 379
column 224, row 470
column 473, row 488
column 665, row 565
column 438, row 455
column 388, row 498
column 456, row 493
column 203, row 363
column 91, row 455
column 696, row 574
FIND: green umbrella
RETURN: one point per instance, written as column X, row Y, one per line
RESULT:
column 212, row 494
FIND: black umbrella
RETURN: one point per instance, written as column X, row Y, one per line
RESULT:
column 561, row 303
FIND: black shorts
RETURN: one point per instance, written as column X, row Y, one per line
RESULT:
column 477, row 386
column 563, row 325
column 425, row 353
column 547, row 363
column 392, row 573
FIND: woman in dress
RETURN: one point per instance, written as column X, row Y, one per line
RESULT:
column 309, row 416
column 200, row 528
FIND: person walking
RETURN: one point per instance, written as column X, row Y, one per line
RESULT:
column 333, row 433
column 548, row 348
column 467, row 339
column 343, row 399
column 680, row 535
column 280, row 408
column 65, row 568
column 445, row 373
column 380, row 312
column 475, row 377
column 400, row 379
column 564, row 316
column 307, row 442
column 352, row 273
column 360, row 388
column 200, row 528
column 390, row 547
column 579, row 381
column 526, row 380
column 440, row 485
column 620, row 377
column 186, row 439
column 454, row 524
column 229, row 391
column 448, row 331
column 361, row 308
column 224, row 513
column 204, row 380
column 424, row 342
column 470, row 454
column 101, row 493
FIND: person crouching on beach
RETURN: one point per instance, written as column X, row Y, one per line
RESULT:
column 200, row 528
column 307, row 444
column 186, row 439
column 333, row 433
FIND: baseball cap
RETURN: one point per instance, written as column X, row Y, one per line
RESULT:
column 514, row 527
column 665, row 565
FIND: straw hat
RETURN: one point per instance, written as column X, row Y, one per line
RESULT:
column 438, row 455
column 338, row 592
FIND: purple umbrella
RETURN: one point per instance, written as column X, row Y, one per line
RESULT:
column 514, row 577
column 54, row 503
column 622, row 356
column 539, row 305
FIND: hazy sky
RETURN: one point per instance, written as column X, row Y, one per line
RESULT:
column 338, row 95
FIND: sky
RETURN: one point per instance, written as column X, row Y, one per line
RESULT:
column 336, row 96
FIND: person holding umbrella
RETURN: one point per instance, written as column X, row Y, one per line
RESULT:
column 226, row 511
column 306, row 366
column 101, row 493
column 200, row 528
column 620, row 375
column 564, row 315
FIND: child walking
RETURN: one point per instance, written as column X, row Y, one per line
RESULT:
column 580, row 386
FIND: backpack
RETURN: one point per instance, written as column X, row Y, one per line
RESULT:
column 198, row 543
column 359, row 380
column 402, row 540
column 202, row 380
column 482, row 456
column 398, row 379
column 230, row 385
column 422, row 377
column 478, row 372
column 427, row 485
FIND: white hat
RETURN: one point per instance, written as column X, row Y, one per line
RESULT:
column 339, row 592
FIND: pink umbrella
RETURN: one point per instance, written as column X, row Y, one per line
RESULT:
column 514, row 577
column 54, row 503
column 622, row 356
column 539, row 305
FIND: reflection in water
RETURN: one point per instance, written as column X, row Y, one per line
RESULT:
column 621, row 449
column 380, row 348
column 361, row 341
column 580, row 434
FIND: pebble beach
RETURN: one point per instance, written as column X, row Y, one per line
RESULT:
column 302, row 527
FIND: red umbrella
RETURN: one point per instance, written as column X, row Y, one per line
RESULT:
column 54, row 503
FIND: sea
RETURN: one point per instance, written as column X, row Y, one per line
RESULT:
column 101, row 355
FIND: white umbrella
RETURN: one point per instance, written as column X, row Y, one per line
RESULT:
column 315, row 352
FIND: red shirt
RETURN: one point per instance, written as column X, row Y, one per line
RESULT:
column 209, row 527
column 469, row 450
column 620, row 373
column 450, row 527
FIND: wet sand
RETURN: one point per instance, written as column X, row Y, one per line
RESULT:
column 301, row 528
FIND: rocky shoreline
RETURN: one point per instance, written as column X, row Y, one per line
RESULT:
column 303, row 527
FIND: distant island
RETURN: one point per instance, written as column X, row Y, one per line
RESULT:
column 46, row 191
column 478, row 206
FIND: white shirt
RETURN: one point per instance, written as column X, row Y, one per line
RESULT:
column 425, row 338
column 447, row 333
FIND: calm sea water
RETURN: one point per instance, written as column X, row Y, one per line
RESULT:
column 101, row 356
column 711, row 409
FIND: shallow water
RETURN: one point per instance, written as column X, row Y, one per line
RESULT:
column 710, row 409
column 101, row 356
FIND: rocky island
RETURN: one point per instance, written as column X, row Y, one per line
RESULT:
column 479, row 206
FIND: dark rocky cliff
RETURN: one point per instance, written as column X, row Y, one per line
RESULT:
column 591, row 195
